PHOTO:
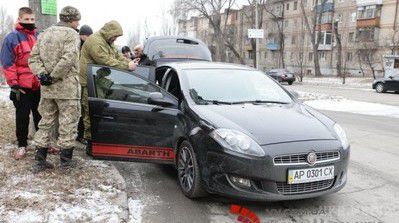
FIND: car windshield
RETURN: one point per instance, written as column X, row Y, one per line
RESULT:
column 173, row 49
column 228, row 86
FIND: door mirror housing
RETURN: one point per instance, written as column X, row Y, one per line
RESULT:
column 157, row 98
column 390, row 77
column 295, row 94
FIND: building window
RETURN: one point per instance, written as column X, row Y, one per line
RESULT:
column 293, row 40
column 325, row 38
column 295, row 5
column 366, row 34
column 349, row 56
column 288, row 6
column 265, row 54
column 322, row 55
column 353, row 17
column 351, row 37
column 367, row 12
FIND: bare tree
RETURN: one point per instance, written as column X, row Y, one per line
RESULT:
column 300, row 50
column 368, row 56
column 6, row 24
column 212, row 10
column 134, row 36
column 339, row 52
column 276, row 12
column 251, row 18
column 313, row 24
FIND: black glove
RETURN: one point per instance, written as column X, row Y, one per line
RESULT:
column 45, row 79
column 14, row 93
column 16, row 87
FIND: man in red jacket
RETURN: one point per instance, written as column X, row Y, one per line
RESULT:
column 25, row 86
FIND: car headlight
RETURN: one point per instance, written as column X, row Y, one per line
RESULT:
column 341, row 136
column 237, row 141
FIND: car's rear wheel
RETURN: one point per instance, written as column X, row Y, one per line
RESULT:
column 380, row 88
column 188, row 172
column 290, row 82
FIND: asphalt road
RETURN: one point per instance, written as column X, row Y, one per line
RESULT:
column 371, row 194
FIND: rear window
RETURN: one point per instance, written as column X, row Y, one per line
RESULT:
column 178, row 49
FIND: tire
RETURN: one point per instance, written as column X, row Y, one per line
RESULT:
column 380, row 88
column 290, row 82
column 279, row 80
column 188, row 172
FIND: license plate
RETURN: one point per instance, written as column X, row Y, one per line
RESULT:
column 310, row 174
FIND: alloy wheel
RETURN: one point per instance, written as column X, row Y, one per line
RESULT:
column 185, row 169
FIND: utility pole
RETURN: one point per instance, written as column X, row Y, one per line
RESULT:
column 46, row 14
column 257, row 39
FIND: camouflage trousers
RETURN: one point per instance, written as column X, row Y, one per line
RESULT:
column 85, row 113
column 67, row 112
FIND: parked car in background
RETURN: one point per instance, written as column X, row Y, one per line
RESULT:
column 385, row 84
column 282, row 75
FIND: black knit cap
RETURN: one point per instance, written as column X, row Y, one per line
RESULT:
column 85, row 30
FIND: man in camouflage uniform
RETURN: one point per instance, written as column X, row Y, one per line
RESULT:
column 99, row 49
column 55, row 57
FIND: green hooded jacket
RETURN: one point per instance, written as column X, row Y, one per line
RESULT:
column 97, row 50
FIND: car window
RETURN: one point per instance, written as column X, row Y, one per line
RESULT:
column 121, row 85
column 175, row 49
column 234, row 86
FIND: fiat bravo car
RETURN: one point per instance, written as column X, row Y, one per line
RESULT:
column 228, row 130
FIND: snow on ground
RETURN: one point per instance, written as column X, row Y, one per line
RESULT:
column 364, row 82
column 135, row 210
column 337, row 103
column 88, row 193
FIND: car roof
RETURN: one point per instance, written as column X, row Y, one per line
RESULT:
column 189, row 65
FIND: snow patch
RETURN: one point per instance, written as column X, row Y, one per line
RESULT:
column 135, row 210
column 358, row 107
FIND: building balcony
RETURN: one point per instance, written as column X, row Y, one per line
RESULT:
column 364, row 23
column 360, row 3
column 325, row 47
column 324, row 27
column 328, row 7
column 273, row 46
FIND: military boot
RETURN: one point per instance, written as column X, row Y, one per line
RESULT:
column 41, row 163
column 66, row 159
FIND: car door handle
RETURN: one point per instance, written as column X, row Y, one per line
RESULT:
column 105, row 117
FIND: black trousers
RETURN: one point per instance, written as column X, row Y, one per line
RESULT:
column 27, row 103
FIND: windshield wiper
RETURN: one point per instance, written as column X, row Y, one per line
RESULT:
column 260, row 102
column 199, row 100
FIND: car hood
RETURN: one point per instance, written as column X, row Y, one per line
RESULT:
column 267, row 124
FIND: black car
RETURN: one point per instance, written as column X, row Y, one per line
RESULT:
column 282, row 75
column 390, row 83
column 162, row 49
column 228, row 129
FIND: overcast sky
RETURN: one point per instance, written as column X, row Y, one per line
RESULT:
column 95, row 13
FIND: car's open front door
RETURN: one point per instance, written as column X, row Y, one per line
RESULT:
column 124, row 125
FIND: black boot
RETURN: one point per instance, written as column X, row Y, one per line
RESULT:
column 66, row 159
column 41, row 163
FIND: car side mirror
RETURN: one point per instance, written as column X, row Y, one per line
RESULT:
column 295, row 94
column 156, row 98
column 390, row 77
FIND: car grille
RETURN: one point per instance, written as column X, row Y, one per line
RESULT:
column 301, row 158
column 287, row 189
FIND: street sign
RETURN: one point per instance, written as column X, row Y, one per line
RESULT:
column 255, row 33
column 49, row 7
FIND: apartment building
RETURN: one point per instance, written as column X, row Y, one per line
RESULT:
column 367, row 29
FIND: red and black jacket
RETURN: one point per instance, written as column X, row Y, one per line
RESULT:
column 15, row 54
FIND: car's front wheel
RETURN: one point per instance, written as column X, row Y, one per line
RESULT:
column 188, row 172
column 290, row 82
column 380, row 88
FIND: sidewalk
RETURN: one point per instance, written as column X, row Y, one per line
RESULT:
column 94, row 191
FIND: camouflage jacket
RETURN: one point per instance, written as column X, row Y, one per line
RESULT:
column 97, row 50
column 56, row 52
